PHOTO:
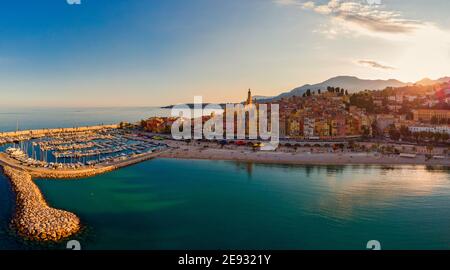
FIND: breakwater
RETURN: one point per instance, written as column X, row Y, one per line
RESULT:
column 38, row 132
column 34, row 219
column 38, row 172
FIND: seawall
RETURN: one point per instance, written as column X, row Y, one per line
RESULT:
column 37, row 132
column 33, row 218
column 6, row 161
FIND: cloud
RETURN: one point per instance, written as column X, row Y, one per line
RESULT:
column 286, row 2
column 360, row 15
column 374, row 64
column 422, row 48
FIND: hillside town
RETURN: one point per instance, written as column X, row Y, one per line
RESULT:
column 408, row 114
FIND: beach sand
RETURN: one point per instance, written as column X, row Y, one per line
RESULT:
column 212, row 151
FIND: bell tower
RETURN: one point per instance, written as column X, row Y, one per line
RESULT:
column 249, row 97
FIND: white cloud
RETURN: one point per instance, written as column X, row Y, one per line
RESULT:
column 360, row 15
column 374, row 64
column 422, row 46
column 286, row 2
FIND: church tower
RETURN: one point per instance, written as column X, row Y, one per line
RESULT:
column 249, row 98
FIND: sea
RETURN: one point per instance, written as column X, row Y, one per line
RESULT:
column 204, row 204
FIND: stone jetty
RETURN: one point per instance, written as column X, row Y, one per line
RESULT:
column 34, row 219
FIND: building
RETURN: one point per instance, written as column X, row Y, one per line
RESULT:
column 159, row 124
column 425, row 115
column 308, row 127
column 432, row 129
column 249, row 100
column 384, row 121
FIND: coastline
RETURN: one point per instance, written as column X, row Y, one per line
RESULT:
column 35, row 220
column 210, row 151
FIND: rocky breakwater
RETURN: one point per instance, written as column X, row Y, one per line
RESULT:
column 34, row 219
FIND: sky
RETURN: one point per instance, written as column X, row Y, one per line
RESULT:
column 160, row 52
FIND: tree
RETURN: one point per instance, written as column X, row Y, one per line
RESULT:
column 434, row 120
column 365, row 132
column 351, row 145
column 375, row 131
column 394, row 134
column 346, row 92
column 319, row 91
column 405, row 133
column 363, row 101
column 143, row 124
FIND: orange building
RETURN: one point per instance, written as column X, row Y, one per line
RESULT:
column 427, row 114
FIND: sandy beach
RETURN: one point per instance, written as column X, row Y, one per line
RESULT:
column 212, row 151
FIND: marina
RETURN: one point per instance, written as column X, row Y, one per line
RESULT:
column 77, row 149
column 63, row 155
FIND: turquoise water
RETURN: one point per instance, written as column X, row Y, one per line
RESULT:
column 184, row 204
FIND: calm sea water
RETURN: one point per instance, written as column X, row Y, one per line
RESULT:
column 36, row 118
column 184, row 204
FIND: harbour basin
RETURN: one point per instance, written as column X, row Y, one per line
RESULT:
column 193, row 204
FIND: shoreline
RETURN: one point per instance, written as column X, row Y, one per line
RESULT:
column 35, row 220
column 298, row 163
column 210, row 151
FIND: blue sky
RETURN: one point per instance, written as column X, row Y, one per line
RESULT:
column 144, row 53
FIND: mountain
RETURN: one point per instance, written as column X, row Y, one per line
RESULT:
column 428, row 81
column 261, row 97
column 352, row 84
